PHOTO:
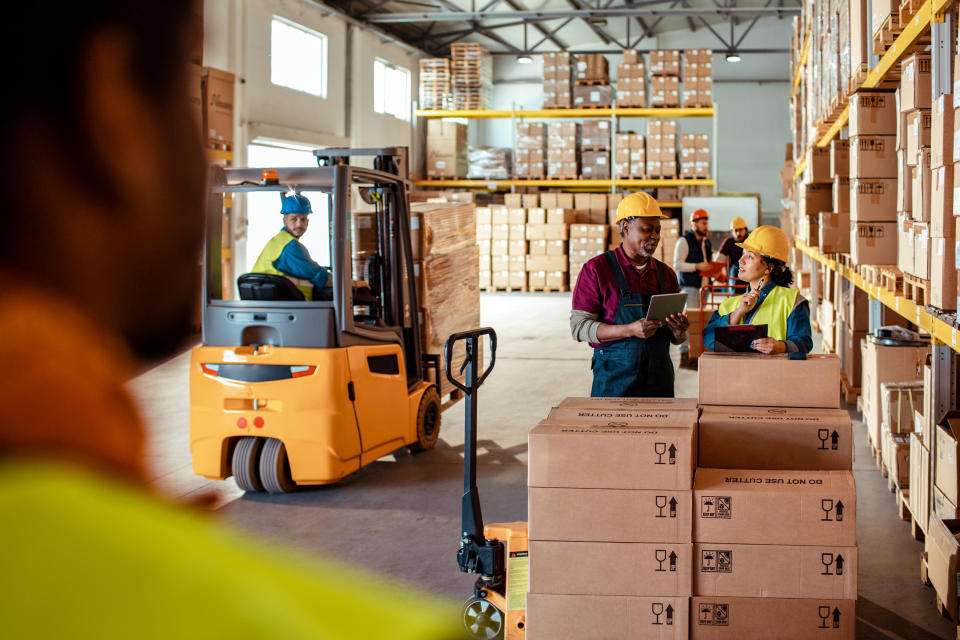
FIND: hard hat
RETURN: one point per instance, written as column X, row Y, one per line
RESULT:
column 699, row 214
column 768, row 241
column 295, row 203
column 738, row 223
column 638, row 205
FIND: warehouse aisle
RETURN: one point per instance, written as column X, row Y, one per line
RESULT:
column 400, row 516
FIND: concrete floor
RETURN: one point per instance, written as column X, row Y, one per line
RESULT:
column 400, row 515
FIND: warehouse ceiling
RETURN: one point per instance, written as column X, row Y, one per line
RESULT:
column 514, row 27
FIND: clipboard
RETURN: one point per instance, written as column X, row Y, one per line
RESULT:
column 715, row 270
column 738, row 337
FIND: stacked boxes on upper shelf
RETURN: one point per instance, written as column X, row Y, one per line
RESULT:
column 943, row 205
column 661, row 148
column 694, row 155
column 630, row 160
column 631, row 83
column 664, row 78
column 595, row 150
column 873, row 178
column 697, row 78
column 592, row 87
column 914, row 123
column 471, row 75
column 563, row 141
column 557, row 84
column 530, row 150
column 446, row 149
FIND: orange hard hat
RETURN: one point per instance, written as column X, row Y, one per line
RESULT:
column 699, row 214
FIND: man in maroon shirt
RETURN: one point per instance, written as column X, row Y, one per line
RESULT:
column 631, row 355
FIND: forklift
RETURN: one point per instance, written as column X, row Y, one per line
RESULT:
column 285, row 391
column 498, row 553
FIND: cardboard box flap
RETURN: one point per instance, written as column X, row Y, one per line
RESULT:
column 629, row 403
column 686, row 418
column 951, row 423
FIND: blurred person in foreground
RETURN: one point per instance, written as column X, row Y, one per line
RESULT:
column 103, row 191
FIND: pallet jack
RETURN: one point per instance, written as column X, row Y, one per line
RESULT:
column 498, row 553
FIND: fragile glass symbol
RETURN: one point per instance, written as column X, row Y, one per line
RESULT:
column 661, row 556
column 824, row 435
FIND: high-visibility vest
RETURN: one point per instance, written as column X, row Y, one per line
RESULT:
column 271, row 253
column 773, row 312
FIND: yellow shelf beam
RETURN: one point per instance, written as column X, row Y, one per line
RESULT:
column 801, row 63
column 800, row 168
column 940, row 330
column 624, row 112
column 494, row 185
column 835, row 128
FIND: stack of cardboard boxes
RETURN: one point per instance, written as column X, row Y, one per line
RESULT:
column 595, row 150
column 851, row 326
column 698, row 78
column 664, row 78
column 694, row 155
column 873, row 178
column 530, row 150
column 774, row 517
column 446, row 149
column 586, row 242
column 557, row 80
column 563, row 140
column 630, row 156
column 631, row 83
column 662, row 148
column 886, row 364
column 942, row 256
column 914, row 134
column 834, row 225
column 592, row 86
column 609, row 489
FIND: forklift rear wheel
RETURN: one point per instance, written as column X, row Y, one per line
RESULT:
column 275, row 468
column 246, row 464
column 428, row 421
column 482, row 619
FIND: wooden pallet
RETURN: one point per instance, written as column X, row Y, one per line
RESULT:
column 892, row 280
column 857, row 77
column 451, row 399
column 916, row 289
column 562, row 289
column 903, row 504
column 507, row 289
column 887, row 33
column 916, row 531
column 592, row 83
column 592, row 106
column 850, row 392
column 594, row 147
column 909, row 8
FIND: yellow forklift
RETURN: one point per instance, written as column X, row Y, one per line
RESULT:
column 286, row 391
column 498, row 553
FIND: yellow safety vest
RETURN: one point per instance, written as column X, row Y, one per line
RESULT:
column 86, row 557
column 271, row 253
column 773, row 312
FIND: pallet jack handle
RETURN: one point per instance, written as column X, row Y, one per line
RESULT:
column 476, row 554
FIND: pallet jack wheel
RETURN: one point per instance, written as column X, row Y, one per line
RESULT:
column 482, row 619
column 428, row 421
column 246, row 464
column 275, row 468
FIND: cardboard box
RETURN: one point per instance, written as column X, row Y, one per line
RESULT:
column 919, row 125
column 754, row 618
column 775, row 438
column 896, row 457
column 582, row 616
column 872, row 113
column 814, row 382
column 919, row 481
column 873, row 243
column 819, row 165
column 839, row 158
column 942, row 130
column 775, row 507
column 597, row 568
column 915, row 82
column 943, row 273
column 946, row 476
column 613, row 449
column 942, row 222
column 881, row 364
column 775, row 571
column 218, row 100
column 921, row 188
column 609, row 515
column 898, row 401
column 873, row 156
column 834, row 232
column 942, row 546
column 943, row 508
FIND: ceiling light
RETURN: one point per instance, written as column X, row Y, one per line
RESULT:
column 524, row 59
column 733, row 57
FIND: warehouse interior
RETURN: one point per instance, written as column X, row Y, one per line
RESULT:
column 394, row 417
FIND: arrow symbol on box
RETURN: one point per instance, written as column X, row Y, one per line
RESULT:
column 673, row 507
column 834, row 439
column 673, row 454
column 673, row 561
column 839, row 565
column 669, row 614
column 839, row 511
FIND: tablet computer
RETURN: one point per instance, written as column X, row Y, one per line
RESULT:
column 738, row 337
column 666, row 304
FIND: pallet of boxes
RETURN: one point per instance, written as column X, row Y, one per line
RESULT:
column 557, row 80
column 595, row 150
column 530, row 150
column 610, row 530
column 661, row 152
column 631, row 80
column 774, row 501
column 664, row 78
column 445, row 254
column 563, row 144
column 547, row 238
column 592, row 82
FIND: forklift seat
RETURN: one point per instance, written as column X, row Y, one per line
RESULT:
column 265, row 286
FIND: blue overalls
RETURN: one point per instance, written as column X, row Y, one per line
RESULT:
column 633, row 367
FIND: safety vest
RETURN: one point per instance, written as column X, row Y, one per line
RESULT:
column 271, row 253
column 695, row 254
column 773, row 311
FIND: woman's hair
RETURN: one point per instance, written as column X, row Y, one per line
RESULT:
column 780, row 273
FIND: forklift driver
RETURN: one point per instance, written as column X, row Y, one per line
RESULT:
column 284, row 255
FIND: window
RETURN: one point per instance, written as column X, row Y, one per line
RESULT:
column 391, row 90
column 298, row 57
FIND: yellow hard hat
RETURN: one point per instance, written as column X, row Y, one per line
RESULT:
column 768, row 241
column 638, row 205
column 738, row 223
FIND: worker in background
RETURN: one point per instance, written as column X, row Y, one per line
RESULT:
column 631, row 355
column 732, row 251
column 285, row 255
column 691, row 257
column 770, row 299
column 92, row 551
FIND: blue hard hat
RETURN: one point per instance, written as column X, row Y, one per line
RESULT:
column 295, row 203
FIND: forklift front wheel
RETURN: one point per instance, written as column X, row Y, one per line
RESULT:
column 482, row 619
column 246, row 464
column 428, row 421
column 275, row 468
